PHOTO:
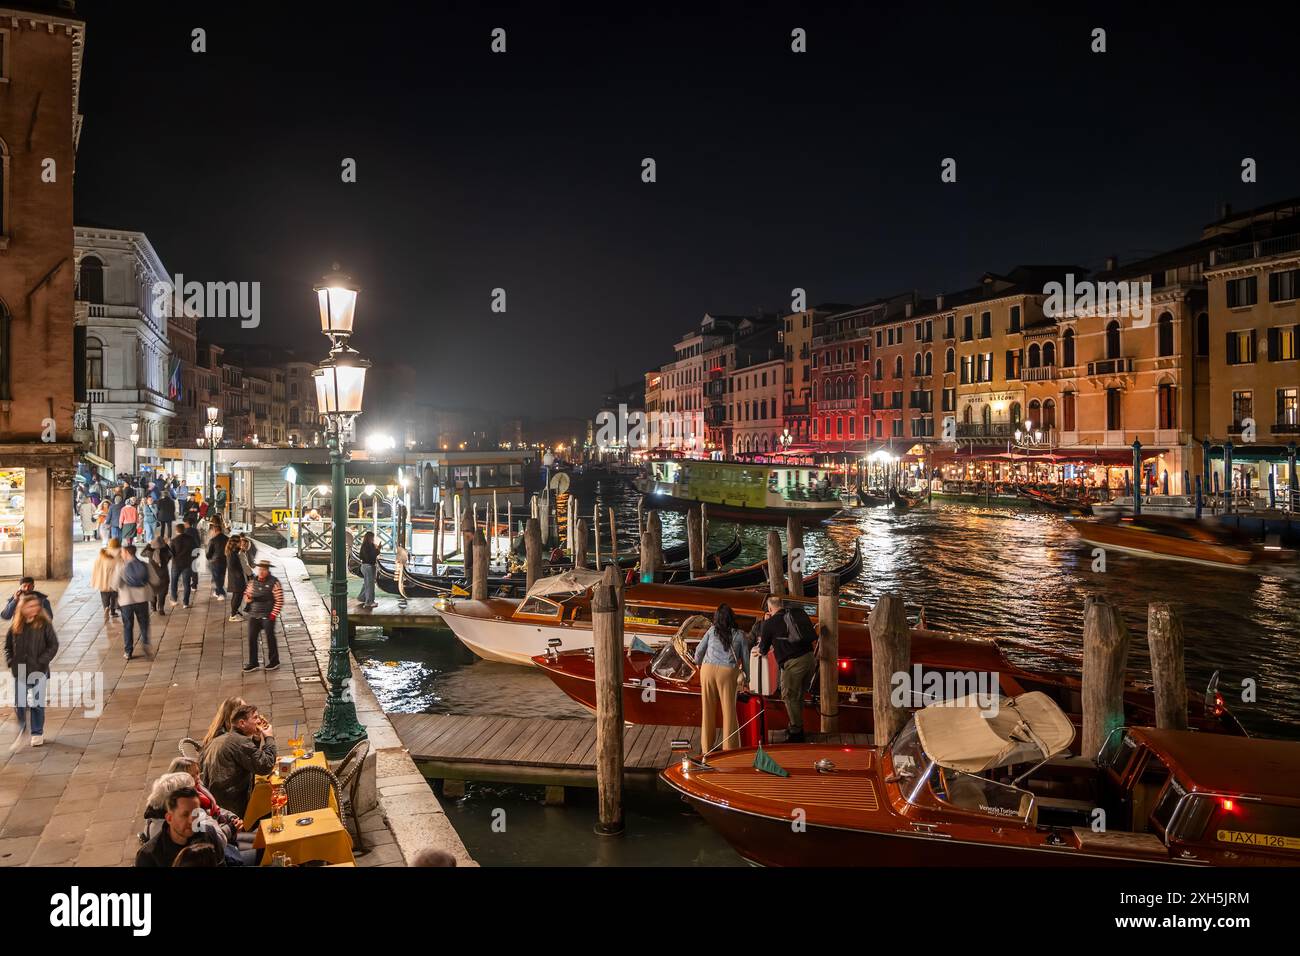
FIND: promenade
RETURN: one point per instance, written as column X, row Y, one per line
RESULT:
column 79, row 799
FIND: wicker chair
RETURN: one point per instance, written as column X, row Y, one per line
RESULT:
column 308, row 788
column 349, row 775
column 191, row 748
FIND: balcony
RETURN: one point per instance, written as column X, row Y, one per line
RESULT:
column 1117, row 366
column 1043, row 373
column 993, row 430
column 836, row 404
column 128, row 396
column 1255, row 250
column 1286, row 428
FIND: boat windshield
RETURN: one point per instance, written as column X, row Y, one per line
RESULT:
column 914, row 768
column 669, row 664
column 538, row 607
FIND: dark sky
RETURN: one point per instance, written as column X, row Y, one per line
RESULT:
column 775, row 170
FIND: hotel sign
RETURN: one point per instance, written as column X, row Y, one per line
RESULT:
column 995, row 397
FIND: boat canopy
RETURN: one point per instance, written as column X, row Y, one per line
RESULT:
column 968, row 735
column 573, row 581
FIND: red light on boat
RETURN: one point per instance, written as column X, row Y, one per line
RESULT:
column 1218, row 705
column 1227, row 805
column 844, row 665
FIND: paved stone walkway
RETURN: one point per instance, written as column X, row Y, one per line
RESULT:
column 79, row 799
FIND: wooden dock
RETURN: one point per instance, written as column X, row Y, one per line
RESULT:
column 545, row 751
column 418, row 612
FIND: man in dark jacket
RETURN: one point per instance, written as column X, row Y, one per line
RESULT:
column 163, row 846
column 794, row 656
column 183, row 546
column 233, row 760
column 30, row 645
column 25, row 586
column 166, row 515
column 158, row 554
column 263, row 600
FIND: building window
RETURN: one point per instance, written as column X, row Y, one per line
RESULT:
column 1282, row 343
column 1112, row 340
column 929, row 363
column 1242, row 408
column 949, row 399
column 94, row 363
column 1013, row 362
column 1049, row 413
column 1282, row 285
column 1242, row 292
column 1165, row 334
column 986, row 324
column 1049, row 353
column 1015, row 318
column 852, row 423
column 1067, row 411
column 1167, row 406
column 1035, row 356
column 967, row 369
column 879, row 428
column 879, row 368
column 1288, row 409
column 967, row 328
column 916, row 364
column 986, row 367
column 950, row 360
column 1114, row 410
column 898, row 367
column 947, row 326
column 91, row 288
column 1241, row 347
column 1067, row 349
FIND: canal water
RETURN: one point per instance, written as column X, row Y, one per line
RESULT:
column 1008, row 572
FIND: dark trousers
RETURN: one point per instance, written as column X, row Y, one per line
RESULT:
column 236, row 597
column 166, row 527
column 159, row 601
column 131, row 613
column 256, row 625
column 181, row 574
column 30, row 706
column 218, row 569
column 109, row 598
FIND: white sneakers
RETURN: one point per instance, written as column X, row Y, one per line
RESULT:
column 38, row 740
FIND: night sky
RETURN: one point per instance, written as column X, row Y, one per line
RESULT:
column 775, row 169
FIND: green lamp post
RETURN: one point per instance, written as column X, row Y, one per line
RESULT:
column 340, row 381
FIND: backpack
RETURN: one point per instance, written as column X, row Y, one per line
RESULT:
column 800, row 632
column 135, row 574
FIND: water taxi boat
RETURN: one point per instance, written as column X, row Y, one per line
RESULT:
column 1184, row 539
column 958, row 786
column 940, row 660
column 741, row 491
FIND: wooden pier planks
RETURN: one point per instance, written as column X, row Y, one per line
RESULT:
column 527, row 749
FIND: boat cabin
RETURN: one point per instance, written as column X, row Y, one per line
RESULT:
column 750, row 484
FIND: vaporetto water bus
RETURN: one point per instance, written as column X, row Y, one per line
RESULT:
column 741, row 491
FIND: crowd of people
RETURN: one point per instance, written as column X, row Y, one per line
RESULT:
column 139, row 506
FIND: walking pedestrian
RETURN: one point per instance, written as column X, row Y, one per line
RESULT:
column 166, row 515
column 216, row 555
column 30, row 645
column 238, row 572
column 183, row 545
column 87, row 515
column 368, row 554
column 148, row 517
column 115, row 518
column 103, row 576
column 158, row 554
column 134, row 595
column 101, row 522
column 721, row 655
column 265, row 599
column 129, row 518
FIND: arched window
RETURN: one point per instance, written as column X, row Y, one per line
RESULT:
column 898, row 367
column 1067, row 411
column 94, row 363
column 762, row 409
column 988, row 415
column 866, row 385
column 1067, row 349
column 950, row 361
column 1049, row 353
column 765, row 444
column 1112, row 339
column 929, row 363
column 1015, row 413
column 1034, row 409
column 91, row 288
column 1034, row 355
column 851, row 383
column 966, row 416
column 1165, row 334
column 1049, row 414
column 916, row 364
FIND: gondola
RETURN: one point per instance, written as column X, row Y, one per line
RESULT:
column 902, row 502
column 755, row 575
column 871, row 499
column 1054, row 502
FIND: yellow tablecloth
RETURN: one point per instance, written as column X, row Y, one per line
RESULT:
column 259, row 803
column 325, row 838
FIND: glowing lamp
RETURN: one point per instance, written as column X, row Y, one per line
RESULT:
column 340, row 381
column 337, row 295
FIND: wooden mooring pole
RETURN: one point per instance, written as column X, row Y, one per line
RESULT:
column 595, row 525
column 607, row 634
column 580, row 544
column 613, row 537
column 694, row 548
column 1165, row 641
column 1105, row 662
column 467, row 541
column 891, row 653
column 479, row 589
column 775, row 579
column 532, row 552
column 437, row 538
column 794, row 559
column 828, row 626
column 656, row 529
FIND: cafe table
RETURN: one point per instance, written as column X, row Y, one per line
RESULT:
column 324, row 838
column 259, row 802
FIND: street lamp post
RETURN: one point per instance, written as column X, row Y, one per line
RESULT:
column 212, row 433
column 340, row 380
column 135, row 441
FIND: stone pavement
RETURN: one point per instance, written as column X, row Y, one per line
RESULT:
column 79, row 799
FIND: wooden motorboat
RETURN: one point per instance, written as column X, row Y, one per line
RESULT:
column 1184, row 539
column 957, row 787
column 741, row 491
column 755, row 575
column 872, row 499
column 944, row 661
column 904, row 502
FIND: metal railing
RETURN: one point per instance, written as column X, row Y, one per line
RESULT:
column 1041, row 373
column 1113, row 366
column 1255, row 250
column 980, row 430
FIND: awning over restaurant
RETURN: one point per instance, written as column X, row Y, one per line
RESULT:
column 1250, row 451
column 1087, row 456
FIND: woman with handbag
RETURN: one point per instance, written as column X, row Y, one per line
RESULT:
column 721, row 654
